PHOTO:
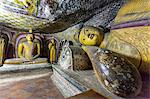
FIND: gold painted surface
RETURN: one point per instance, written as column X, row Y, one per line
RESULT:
column 133, row 10
column 2, row 44
column 26, row 49
column 28, row 52
column 133, row 43
column 52, row 51
column 91, row 36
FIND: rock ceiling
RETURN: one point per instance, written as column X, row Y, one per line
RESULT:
column 48, row 16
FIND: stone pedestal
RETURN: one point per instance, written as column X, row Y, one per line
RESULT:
column 14, row 73
column 66, row 84
column 22, row 67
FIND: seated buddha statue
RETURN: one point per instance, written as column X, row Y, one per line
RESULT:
column 52, row 51
column 28, row 52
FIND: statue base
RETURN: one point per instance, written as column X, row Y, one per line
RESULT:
column 22, row 67
column 21, row 61
column 66, row 85
column 15, row 76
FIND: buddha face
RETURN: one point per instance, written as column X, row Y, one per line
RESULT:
column 29, row 37
column 53, row 42
column 91, row 36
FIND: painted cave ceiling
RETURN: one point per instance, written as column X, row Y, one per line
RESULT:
column 48, row 16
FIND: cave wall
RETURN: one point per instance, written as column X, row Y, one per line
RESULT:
column 51, row 16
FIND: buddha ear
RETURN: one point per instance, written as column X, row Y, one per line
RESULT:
column 104, row 29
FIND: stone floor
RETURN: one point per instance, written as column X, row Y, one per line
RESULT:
column 36, row 88
column 37, row 84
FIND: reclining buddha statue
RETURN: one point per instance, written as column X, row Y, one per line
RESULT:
column 110, row 67
column 28, row 51
column 129, row 35
column 126, row 46
column 122, row 43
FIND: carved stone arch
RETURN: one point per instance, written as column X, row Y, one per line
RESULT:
column 7, row 35
column 3, row 47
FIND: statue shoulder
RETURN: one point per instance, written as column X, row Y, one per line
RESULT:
column 105, row 40
column 23, row 43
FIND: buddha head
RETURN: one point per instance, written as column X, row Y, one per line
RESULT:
column 53, row 41
column 91, row 36
column 29, row 37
